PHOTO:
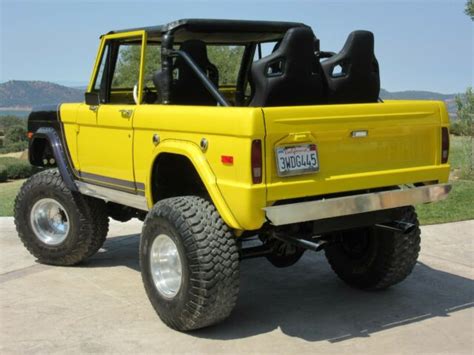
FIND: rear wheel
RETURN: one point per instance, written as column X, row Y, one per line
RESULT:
column 284, row 254
column 190, row 263
column 373, row 258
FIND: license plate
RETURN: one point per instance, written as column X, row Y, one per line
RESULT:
column 297, row 159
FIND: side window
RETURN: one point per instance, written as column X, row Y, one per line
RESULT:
column 127, row 67
column 228, row 60
column 127, row 71
column 119, row 70
column 100, row 73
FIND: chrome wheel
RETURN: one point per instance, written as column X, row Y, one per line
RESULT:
column 165, row 265
column 50, row 221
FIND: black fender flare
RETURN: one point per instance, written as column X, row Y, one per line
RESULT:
column 57, row 148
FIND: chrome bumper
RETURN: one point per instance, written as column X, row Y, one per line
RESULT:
column 349, row 205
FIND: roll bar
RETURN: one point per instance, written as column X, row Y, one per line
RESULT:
column 167, row 53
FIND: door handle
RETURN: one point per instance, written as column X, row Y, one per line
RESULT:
column 126, row 113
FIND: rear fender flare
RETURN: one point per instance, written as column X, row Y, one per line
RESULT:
column 194, row 154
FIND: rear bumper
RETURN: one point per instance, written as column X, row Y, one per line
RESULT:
column 349, row 205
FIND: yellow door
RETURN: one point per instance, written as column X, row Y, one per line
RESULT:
column 105, row 155
column 105, row 138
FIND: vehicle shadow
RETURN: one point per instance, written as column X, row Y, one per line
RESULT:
column 308, row 301
column 117, row 251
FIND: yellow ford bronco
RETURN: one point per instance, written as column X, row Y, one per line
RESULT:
column 231, row 140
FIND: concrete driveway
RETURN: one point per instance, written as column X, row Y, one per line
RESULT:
column 101, row 306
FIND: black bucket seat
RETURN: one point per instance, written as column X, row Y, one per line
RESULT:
column 288, row 77
column 187, row 88
column 352, row 75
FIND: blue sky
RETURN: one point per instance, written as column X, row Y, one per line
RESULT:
column 420, row 44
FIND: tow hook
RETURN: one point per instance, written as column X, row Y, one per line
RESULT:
column 398, row 226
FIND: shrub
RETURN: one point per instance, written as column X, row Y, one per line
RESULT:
column 3, row 174
column 9, row 120
column 13, row 147
column 461, row 128
column 14, row 137
column 15, row 134
column 17, row 168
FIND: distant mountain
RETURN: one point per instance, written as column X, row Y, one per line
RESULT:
column 415, row 95
column 26, row 94
column 422, row 95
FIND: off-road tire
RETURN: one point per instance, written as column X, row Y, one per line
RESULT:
column 80, row 239
column 281, row 257
column 389, row 258
column 209, row 259
column 119, row 213
column 98, row 210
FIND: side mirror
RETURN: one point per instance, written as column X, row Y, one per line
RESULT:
column 92, row 98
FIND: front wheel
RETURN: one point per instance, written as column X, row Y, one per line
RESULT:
column 189, row 262
column 56, row 225
column 373, row 258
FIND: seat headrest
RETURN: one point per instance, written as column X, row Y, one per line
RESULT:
column 293, row 54
column 352, row 75
column 297, row 41
column 197, row 50
column 359, row 43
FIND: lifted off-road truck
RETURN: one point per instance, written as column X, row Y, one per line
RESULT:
column 222, row 134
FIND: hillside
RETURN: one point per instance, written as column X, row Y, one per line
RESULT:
column 449, row 99
column 414, row 95
column 26, row 94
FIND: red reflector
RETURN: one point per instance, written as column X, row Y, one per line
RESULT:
column 29, row 135
column 227, row 159
column 256, row 158
column 444, row 145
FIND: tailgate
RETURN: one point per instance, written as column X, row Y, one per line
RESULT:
column 358, row 146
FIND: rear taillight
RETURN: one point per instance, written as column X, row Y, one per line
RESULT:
column 444, row 145
column 256, row 157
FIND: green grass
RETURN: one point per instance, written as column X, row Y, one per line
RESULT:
column 8, row 191
column 14, row 168
column 460, row 157
column 459, row 205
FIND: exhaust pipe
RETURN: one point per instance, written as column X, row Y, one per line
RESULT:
column 398, row 226
column 302, row 243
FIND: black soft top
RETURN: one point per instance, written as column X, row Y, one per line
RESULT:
column 220, row 31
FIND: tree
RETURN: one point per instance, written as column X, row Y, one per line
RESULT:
column 12, row 134
column 8, row 121
column 469, row 9
column 465, row 111
column 128, row 65
column 227, row 59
